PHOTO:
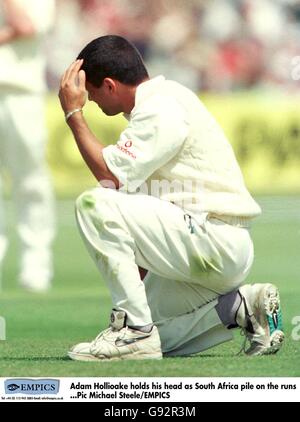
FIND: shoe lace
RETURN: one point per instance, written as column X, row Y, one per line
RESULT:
column 244, row 331
column 273, row 302
column 109, row 334
column 247, row 339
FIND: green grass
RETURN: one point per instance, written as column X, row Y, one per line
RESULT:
column 41, row 327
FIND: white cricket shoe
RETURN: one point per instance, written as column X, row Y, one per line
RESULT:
column 119, row 342
column 260, row 318
column 36, row 271
column 35, row 285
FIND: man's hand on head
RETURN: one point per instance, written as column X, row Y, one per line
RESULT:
column 72, row 92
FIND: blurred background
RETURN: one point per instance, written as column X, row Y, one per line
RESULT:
column 241, row 56
column 209, row 45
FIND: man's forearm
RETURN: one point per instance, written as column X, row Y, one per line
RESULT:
column 72, row 96
column 90, row 149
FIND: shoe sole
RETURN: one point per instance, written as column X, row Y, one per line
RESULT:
column 132, row 356
column 274, row 318
column 36, row 289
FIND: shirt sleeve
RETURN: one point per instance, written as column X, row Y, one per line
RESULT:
column 155, row 134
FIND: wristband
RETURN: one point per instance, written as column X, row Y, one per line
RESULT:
column 70, row 113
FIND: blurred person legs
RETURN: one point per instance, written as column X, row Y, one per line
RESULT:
column 3, row 238
column 23, row 136
column 189, row 267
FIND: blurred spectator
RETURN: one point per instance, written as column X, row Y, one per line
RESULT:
column 23, row 24
column 218, row 45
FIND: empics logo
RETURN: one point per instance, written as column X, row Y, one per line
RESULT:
column 29, row 386
column 13, row 387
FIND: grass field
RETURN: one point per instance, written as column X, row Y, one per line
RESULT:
column 41, row 327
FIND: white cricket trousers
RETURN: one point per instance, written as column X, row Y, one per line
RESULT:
column 190, row 263
column 22, row 155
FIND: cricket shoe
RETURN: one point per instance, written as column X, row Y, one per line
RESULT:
column 119, row 342
column 36, row 271
column 35, row 285
column 259, row 316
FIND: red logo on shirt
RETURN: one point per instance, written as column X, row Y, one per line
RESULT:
column 125, row 149
column 128, row 144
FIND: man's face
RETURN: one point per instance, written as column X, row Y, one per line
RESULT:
column 105, row 97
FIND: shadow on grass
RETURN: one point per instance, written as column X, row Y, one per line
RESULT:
column 165, row 358
column 56, row 358
column 202, row 355
column 67, row 359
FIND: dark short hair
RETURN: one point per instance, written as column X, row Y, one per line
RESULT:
column 112, row 56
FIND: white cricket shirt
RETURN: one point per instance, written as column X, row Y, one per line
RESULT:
column 23, row 60
column 174, row 149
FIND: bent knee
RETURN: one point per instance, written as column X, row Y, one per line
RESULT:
column 95, row 199
column 86, row 201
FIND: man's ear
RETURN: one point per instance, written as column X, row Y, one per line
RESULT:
column 110, row 85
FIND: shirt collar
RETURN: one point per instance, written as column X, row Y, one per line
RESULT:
column 145, row 90
column 148, row 88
